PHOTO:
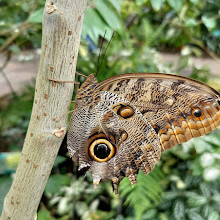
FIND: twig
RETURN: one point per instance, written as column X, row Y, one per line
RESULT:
column 8, row 57
column 8, row 82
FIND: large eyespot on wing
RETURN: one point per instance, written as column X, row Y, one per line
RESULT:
column 100, row 148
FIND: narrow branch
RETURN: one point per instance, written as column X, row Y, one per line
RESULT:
column 5, row 63
column 62, row 24
column 9, row 83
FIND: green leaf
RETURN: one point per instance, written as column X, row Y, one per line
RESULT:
column 170, row 195
column 55, row 182
column 176, row 4
column 195, row 2
column 207, row 160
column 179, row 209
column 140, row 2
column 157, row 4
column 150, row 214
column 189, row 194
column 205, row 190
column 213, row 138
column 191, row 22
column 36, row 17
column 144, row 194
column 116, row 5
column 213, row 216
column 195, row 216
column 216, row 198
column 196, row 201
column 108, row 14
column 211, row 174
column 92, row 30
column 196, row 167
column 210, row 23
column 205, row 210
column 201, row 145
column 44, row 214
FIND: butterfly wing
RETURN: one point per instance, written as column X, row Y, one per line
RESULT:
column 178, row 108
column 125, row 123
column 135, row 147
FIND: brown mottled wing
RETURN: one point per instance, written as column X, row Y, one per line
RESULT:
column 178, row 108
column 137, row 116
column 138, row 148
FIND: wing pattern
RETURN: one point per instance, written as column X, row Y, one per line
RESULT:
column 123, row 124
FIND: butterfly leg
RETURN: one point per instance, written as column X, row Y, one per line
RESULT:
column 77, row 88
column 115, row 184
column 63, row 115
column 63, row 81
column 80, row 74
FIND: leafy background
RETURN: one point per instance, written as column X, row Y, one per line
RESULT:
column 186, row 182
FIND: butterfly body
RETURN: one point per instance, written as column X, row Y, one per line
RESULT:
column 122, row 124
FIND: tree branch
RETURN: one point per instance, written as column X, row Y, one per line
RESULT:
column 62, row 23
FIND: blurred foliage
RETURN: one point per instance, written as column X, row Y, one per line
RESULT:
column 193, row 174
column 165, row 24
column 186, row 182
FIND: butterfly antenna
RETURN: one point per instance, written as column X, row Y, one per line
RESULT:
column 99, row 64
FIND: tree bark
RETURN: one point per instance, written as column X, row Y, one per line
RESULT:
column 62, row 24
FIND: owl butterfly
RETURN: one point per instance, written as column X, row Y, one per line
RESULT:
column 122, row 125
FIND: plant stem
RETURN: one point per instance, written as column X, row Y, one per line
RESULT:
column 62, row 24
